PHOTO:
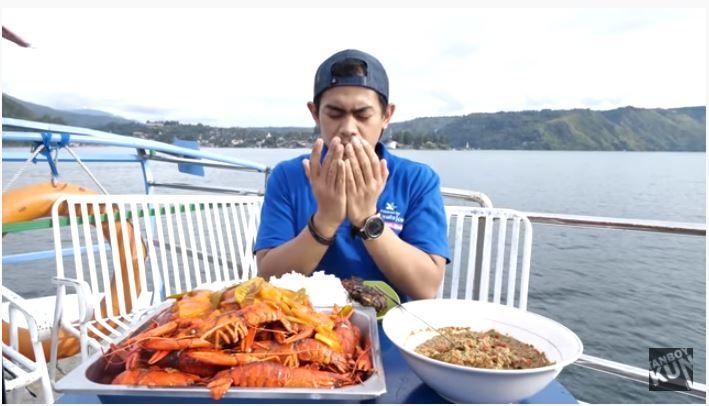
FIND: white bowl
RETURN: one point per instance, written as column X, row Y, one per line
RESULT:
column 462, row 384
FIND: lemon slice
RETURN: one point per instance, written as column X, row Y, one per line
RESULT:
column 389, row 290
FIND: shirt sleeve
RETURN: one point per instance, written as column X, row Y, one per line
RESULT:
column 425, row 226
column 277, row 217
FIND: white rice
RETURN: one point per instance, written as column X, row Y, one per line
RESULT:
column 324, row 290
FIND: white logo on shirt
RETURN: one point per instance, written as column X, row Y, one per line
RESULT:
column 392, row 217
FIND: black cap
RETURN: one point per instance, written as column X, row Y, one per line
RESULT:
column 375, row 79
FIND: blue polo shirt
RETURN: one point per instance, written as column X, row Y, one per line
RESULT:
column 411, row 205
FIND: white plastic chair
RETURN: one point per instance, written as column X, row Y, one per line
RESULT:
column 22, row 370
column 499, row 241
column 190, row 241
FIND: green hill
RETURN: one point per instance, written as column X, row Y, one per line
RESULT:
column 627, row 128
column 16, row 108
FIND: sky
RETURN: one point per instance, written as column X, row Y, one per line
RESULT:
column 255, row 67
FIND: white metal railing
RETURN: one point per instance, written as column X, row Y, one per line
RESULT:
column 485, row 256
column 632, row 373
column 478, row 197
column 657, row 226
column 618, row 369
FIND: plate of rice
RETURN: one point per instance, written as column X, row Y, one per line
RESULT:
column 324, row 290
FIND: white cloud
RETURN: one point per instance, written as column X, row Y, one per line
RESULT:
column 251, row 67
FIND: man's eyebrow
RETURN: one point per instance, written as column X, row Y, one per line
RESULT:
column 341, row 110
column 331, row 107
column 364, row 109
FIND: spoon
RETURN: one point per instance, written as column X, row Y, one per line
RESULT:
column 457, row 346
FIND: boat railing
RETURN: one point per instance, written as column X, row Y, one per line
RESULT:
column 656, row 226
column 55, row 137
column 618, row 369
column 467, row 195
column 628, row 372
column 147, row 151
column 591, row 362
column 691, row 229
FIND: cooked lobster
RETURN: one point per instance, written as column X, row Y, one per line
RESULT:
column 252, row 334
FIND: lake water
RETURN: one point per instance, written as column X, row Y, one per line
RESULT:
column 620, row 291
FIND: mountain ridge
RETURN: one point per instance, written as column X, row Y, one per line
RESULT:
column 80, row 117
column 625, row 128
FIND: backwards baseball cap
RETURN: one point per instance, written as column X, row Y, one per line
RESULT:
column 375, row 77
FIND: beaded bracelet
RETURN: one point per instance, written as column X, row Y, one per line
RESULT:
column 317, row 236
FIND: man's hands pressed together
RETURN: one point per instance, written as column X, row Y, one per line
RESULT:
column 366, row 176
column 348, row 183
column 328, row 183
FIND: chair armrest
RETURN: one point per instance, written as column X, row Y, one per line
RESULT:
column 83, row 291
column 17, row 302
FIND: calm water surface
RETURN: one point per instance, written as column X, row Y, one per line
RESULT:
column 620, row 291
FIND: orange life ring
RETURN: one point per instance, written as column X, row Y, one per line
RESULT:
column 35, row 201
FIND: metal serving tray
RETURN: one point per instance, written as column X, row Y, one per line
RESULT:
column 92, row 377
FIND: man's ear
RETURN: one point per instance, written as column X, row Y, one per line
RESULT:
column 388, row 112
column 314, row 112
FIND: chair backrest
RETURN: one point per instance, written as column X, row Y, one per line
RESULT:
column 491, row 254
column 162, row 244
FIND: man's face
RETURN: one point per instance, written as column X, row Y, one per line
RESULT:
column 348, row 111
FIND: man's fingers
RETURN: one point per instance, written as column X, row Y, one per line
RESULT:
column 341, row 177
column 315, row 155
column 339, row 152
column 373, row 159
column 335, row 155
column 356, row 173
column 349, row 179
column 328, row 158
column 363, row 158
column 332, row 149
column 331, row 156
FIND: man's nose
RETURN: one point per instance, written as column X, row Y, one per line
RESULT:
column 349, row 127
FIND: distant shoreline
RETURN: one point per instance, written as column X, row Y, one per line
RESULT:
column 628, row 128
column 308, row 147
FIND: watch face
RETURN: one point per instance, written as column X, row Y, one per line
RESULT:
column 374, row 227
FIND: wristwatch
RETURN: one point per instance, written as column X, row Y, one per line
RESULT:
column 372, row 229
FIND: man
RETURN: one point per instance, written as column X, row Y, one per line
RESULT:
column 351, row 207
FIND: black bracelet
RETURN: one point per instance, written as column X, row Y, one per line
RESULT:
column 319, row 237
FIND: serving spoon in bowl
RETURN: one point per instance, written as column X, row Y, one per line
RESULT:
column 457, row 346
